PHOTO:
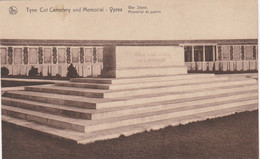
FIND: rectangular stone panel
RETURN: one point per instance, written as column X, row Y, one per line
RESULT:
column 236, row 53
column 62, row 70
column 61, row 55
column 80, row 71
column 96, row 69
column 100, row 54
column 87, row 70
column 249, row 52
column 23, row 70
column 193, row 66
column 47, row 55
column 231, row 66
column 245, row 65
column 253, row 65
column 32, row 55
column 75, row 55
column 18, row 56
column 226, row 53
column 204, row 66
column 216, row 65
column 199, row 66
column 224, row 66
column 3, row 52
column 88, row 55
column 211, row 65
column 239, row 65
column 54, row 70
column 16, row 70
column 45, row 70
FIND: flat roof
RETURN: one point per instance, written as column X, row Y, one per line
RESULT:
column 46, row 42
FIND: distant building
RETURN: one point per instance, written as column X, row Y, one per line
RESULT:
column 52, row 57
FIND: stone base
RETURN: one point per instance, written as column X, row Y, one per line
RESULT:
column 143, row 72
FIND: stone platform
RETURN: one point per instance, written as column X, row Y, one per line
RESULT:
column 89, row 109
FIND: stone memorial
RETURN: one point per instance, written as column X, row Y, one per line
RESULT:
column 139, row 61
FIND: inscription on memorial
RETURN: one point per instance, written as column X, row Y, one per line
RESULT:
column 150, row 58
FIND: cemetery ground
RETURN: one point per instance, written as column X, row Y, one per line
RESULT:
column 234, row 136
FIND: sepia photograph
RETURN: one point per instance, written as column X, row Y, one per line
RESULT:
column 131, row 79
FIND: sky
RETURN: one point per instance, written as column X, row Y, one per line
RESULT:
column 176, row 20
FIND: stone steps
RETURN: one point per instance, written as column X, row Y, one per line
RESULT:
column 86, row 92
column 75, row 112
column 86, row 110
column 109, row 123
column 174, row 88
column 135, row 109
column 140, row 79
column 97, row 93
column 140, row 85
column 72, row 112
column 155, row 125
column 84, row 138
column 95, row 103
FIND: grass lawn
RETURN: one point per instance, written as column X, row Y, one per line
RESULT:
column 230, row 137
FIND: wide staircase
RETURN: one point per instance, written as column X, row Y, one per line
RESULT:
column 90, row 109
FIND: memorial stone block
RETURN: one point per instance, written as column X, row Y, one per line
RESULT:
column 139, row 61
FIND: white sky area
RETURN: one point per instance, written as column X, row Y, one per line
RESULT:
column 178, row 20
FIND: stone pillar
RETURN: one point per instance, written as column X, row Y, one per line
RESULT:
column 214, row 53
column 192, row 53
column 204, row 55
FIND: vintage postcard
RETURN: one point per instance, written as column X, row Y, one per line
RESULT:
column 113, row 79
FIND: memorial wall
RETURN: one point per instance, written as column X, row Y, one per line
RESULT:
column 52, row 57
column 52, row 61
